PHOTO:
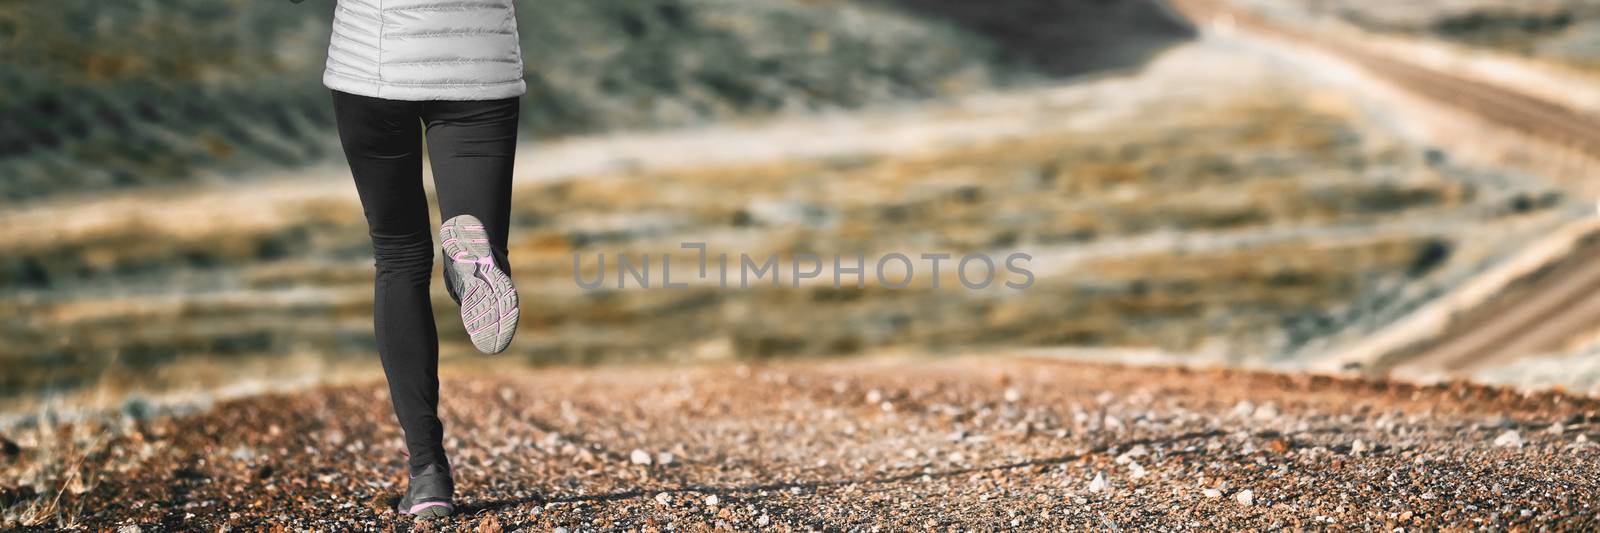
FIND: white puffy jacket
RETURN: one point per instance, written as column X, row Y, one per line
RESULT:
column 425, row 50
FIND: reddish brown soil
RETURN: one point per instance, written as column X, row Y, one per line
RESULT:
column 987, row 443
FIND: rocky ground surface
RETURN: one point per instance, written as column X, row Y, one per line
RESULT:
column 891, row 444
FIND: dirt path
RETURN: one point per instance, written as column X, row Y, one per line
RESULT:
column 1541, row 317
column 990, row 443
column 1534, row 318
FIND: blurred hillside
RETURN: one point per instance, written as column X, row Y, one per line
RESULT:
column 1218, row 206
column 1209, row 201
column 105, row 95
column 1563, row 31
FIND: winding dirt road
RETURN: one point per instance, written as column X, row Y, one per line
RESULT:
column 1544, row 311
column 1542, row 316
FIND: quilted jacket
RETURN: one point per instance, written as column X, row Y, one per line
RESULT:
column 425, row 50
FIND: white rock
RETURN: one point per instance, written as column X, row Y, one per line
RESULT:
column 640, row 457
column 1127, row 457
column 1358, row 447
column 560, row 530
column 1013, row 395
column 1211, row 493
column 1136, row 471
column 663, row 498
column 763, row 521
column 1556, row 428
column 874, row 396
column 664, row 458
column 1243, row 409
column 1099, row 484
column 1245, row 497
column 1509, row 439
column 712, row 500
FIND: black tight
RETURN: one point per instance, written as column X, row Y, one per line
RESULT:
column 471, row 145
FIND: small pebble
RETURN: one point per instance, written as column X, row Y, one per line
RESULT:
column 640, row 457
column 1245, row 497
column 1099, row 484
column 1509, row 439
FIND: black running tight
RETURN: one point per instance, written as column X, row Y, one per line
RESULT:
column 471, row 145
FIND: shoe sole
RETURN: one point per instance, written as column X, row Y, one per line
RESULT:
column 489, row 307
column 429, row 510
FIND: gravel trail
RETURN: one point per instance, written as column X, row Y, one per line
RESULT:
column 897, row 444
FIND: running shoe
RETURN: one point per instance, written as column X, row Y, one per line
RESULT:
column 487, row 297
column 429, row 494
